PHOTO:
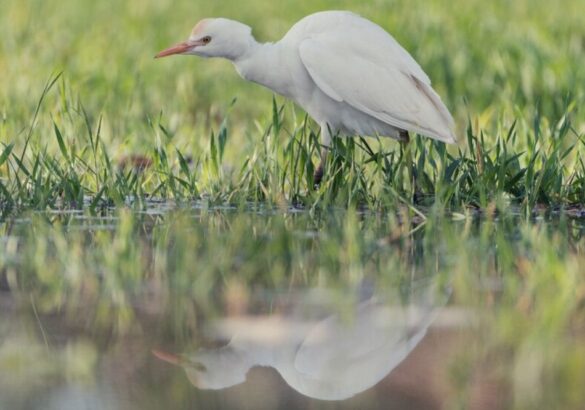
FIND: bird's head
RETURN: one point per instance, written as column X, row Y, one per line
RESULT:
column 216, row 37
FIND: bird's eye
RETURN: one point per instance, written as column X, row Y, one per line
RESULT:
column 206, row 39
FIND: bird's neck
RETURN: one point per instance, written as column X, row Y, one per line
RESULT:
column 264, row 63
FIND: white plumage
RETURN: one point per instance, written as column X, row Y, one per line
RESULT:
column 350, row 75
column 356, row 62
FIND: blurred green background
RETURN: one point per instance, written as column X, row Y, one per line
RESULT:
column 489, row 60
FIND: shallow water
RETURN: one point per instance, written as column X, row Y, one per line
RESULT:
column 218, row 308
column 301, row 349
column 304, row 349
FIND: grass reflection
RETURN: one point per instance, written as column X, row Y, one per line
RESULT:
column 80, row 285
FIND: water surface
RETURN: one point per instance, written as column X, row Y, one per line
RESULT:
column 267, row 308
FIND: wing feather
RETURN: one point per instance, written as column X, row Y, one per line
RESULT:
column 365, row 67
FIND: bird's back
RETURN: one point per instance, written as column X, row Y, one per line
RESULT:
column 325, row 22
column 356, row 62
column 321, row 22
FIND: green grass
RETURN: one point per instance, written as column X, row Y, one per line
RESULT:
column 541, row 168
column 510, row 77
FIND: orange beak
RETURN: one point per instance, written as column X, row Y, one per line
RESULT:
column 180, row 48
column 176, row 49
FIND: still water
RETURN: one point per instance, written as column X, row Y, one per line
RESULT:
column 301, row 349
column 274, row 310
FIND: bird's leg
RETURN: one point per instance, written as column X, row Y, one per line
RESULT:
column 318, row 175
column 405, row 141
column 325, row 141
column 403, row 137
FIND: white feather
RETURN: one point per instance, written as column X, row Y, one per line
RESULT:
column 356, row 62
column 349, row 74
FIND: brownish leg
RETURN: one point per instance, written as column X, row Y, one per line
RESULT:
column 318, row 175
column 404, row 137
column 405, row 140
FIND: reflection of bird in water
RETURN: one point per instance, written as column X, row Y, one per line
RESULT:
column 330, row 359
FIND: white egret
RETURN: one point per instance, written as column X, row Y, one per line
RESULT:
column 347, row 73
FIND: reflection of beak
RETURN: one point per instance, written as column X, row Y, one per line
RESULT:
column 178, row 48
column 178, row 360
column 168, row 357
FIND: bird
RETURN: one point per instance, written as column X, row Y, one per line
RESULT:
column 328, row 356
column 349, row 74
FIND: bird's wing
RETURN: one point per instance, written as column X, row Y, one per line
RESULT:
column 365, row 67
